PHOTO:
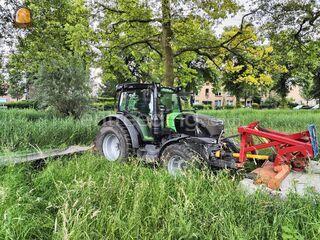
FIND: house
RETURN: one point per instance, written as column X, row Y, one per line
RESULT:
column 5, row 99
column 206, row 95
column 298, row 99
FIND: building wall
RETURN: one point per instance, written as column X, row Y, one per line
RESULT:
column 206, row 96
column 6, row 99
column 295, row 94
column 215, row 99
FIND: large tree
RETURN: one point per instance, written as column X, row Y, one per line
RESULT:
column 293, row 26
column 58, row 29
column 162, row 34
column 248, row 65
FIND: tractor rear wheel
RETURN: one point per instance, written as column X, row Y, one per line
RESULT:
column 113, row 141
column 179, row 157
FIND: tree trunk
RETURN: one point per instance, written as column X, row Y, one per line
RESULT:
column 166, row 43
column 238, row 102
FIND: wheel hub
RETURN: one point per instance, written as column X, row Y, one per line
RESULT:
column 111, row 147
column 177, row 165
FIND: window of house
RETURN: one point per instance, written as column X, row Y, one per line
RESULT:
column 230, row 102
column 207, row 102
column 218, row 93
column 218, row 103
column 207, row 92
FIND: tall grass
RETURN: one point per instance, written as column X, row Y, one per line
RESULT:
column 282, row 120
column 27, row 130
column 86, row 197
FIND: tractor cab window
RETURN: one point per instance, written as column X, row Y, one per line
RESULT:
column 137, row 100
column 169, row 100
column 186, row 102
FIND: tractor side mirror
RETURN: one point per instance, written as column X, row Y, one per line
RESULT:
column 23, row 17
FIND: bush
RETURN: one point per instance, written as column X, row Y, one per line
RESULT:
column 23, row 104
column 105, row 106
column 198, row 106
column 229, row 107
column 271, row 102
column 255, row 106
column 207, row 107
column 64, row 84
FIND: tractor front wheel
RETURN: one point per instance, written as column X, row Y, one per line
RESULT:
column 113, row 141
column 179, row 157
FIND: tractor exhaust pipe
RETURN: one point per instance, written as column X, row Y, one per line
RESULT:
column 155, row 120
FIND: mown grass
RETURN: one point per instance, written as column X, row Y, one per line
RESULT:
column 86, row 197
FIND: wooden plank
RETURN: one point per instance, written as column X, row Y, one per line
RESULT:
column 31, row 157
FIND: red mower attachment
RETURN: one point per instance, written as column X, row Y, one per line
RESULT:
column 291, row 151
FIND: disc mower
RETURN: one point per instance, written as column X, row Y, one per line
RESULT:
column 155, row 124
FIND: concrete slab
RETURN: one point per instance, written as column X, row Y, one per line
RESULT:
column 300, row 183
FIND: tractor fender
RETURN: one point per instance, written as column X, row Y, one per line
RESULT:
column 134, row 135
column 171, row 141
column 196, row 140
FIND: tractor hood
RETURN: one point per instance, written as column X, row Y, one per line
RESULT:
column 186, row 123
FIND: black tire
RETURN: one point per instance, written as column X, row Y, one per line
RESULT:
column 177, row 152
column 113, row 128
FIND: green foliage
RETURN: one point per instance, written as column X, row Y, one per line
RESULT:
column 271, row 102
column 255, row 106
column 104, row 104
column 292, row 27
column 63, row 83
column 249, row 66
column 139, row 42
column 22, row 104
column 59, row 28
column 3, row 85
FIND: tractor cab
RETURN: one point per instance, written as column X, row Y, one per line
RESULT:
column 159, row 111
column 149, row 106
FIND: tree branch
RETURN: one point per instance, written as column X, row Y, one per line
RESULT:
column 194, row 49
column 110, row 9
column 143, row 41
column 210, row 57
column 136, row 20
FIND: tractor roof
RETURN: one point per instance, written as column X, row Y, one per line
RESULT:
column 132, row 86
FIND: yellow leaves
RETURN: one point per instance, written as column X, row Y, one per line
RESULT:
column 231, row 68
column 265, row 79
column 268, row 49
column 256, row 80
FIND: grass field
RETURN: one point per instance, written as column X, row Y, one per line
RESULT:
column 85, row 197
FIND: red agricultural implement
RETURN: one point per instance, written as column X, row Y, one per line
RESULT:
column 289, row 152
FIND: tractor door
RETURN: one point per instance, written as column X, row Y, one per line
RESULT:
column 138, row 105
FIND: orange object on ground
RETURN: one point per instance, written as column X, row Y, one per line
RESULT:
column 268, row 176
column 23, row 17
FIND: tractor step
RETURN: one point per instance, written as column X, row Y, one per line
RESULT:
column 32, row 157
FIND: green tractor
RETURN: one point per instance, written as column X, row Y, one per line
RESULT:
column 156, row 124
